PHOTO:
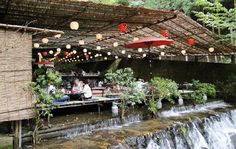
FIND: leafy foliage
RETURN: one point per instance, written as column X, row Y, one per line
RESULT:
column 228, row 88
column 201, row 89
column 124, row 80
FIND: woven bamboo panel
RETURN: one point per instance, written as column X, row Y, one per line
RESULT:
column 15, row 75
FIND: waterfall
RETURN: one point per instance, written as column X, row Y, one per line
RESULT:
column 215, row 132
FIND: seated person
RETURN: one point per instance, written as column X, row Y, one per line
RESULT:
column 77, row 89
column 87, row 91
column 52, row 90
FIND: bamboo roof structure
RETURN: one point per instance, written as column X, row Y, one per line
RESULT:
column 96, row 18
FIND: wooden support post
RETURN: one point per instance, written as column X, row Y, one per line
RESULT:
column 216, row 60
column 17, row 141
column 99, row 109
column 232, row 59
column 207, row 57
column 186, row 58
column 20, row 132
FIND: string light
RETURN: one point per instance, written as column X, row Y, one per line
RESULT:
column 57, row 36
column 81, row 42
column 68, row 46
column 45, row 40
column 98, row 48
column 74, row 25
column 36, row 45
column 144, row 54
column 74, row 51
column 58, row 49
column 162, row 53
column 89, row 53
column 183, row 52
column 50, row 52
column 115, row 44
column 85, row 50
column 116, row 57
column 140, row 49
column 105, row 58
column 108, row 53
column 129, row 56
column 123, row 51
column 211, row 49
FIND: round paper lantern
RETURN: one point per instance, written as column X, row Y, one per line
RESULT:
column 123, row 27
column 162, row 53
column 98, row 48
column 45, row 40
column 162, row 46
column 58, row 49
column 140, row 49
column 183, row 52
column 57, row 36
column 68, row 46
column 144, row 54
column 116, row 57
column 135, row 39
column 91, row 57
column 123, row 51
column 105, row 58
column 66, row 53
column 74, row 25
column 129, row 56
column 108, row 53
column 81, row 42
column 191, row 41
column 74, row 51
column 82, row 59
column 164, row 33
column 36, row 45
column 89, row 53
column 100, row 54
column 50, row 52
column 98, row 36
column 45, row 53
column 115, row 44
column 85, row 50
column 211, row 49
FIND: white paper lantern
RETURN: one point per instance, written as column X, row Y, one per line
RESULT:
column 36, row 45
column 123, row 51
column 129, row 56
column 68, row 46
column 144, row 54
column 183, row 52
column 58, row 49
column 135, row 39
column 82, row 59
column 74, row 51
column 211, row 49
column 140, row 49
column 98, row 36
column 89, row 53
column 81, row 42
column 116, row 57
column 85, row 50
column 108, row 53
column 105, row 58
column 74, row 25
column 115, row 44
column 98, row 48
column 162, row 53
column 162, row 46
column 50, row 52
column 100, row 54
column 45, row 40
column 57, row 36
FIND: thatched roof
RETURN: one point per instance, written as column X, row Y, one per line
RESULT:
column 98, row 18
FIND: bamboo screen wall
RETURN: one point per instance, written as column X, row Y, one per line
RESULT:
column 15, row 75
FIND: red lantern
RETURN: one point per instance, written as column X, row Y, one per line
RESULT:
column 123, row 27
column 45, row 53
column 66, row 53
column 164, row 33
column 191, row 41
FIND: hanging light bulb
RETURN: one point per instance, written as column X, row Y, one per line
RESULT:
column 98, row 36
column 144, row 54
column 162, row 53
column 183, row 52
column 162, row 46
column 108, row 53
column 50, row 52
column 82, row 59
column 115, row 44
column 140, row 49
column 123, row 51
column 116, row 57
column 100, row 54
column 91, row 57
column 57, row 36
column 98, row 48
column 89, row 53
column 105, row 58
column 74, row 51
column 129, row 56
column 81, row 42
column 68, row 46
column 36, row 45
column 59, row 50
column 45, row 40
column 135, row 39
column 85, row 50
column 211, row 49
column 74, row 25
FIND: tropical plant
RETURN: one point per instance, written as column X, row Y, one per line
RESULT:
column 124, row 80
column 201, row 89
column 161, row 89
column 43, row 101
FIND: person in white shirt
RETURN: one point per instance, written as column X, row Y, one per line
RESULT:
column 51, row 89
column 87, row 91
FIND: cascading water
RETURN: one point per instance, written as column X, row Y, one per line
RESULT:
column 216, row 132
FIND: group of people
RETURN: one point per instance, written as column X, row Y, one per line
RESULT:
column 80, row 90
